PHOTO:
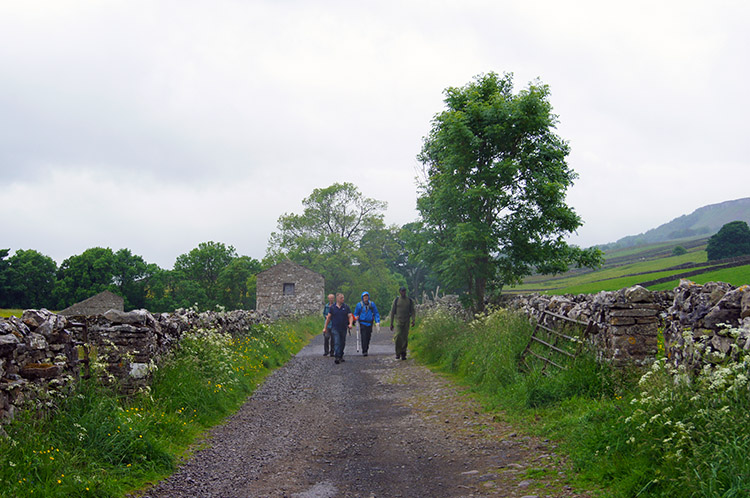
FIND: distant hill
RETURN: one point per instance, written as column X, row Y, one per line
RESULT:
column 702, row 222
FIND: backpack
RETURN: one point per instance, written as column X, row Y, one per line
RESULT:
column 411, row 304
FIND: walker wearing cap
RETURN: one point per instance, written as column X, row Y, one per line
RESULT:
column 366, row 314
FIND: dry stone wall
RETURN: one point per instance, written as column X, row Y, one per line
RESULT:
column 624, row 324
column 708, row 324
column 701, row 323
column 42, row 354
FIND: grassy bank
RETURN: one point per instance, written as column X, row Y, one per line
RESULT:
column 9, row 312
column 659, row 433
column 91, row 442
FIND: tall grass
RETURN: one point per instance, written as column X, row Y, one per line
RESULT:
column 486, row 353
column 96, row 443
column 663, row 433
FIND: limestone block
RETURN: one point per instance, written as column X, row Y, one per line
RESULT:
column 139, row 370
column 36, row 341
column 634, row 312
column 622, row 320
column 135, row 317
column 40, row 371
column 19, row 327
column 723, row 344
column 638, row 294
column 733, row 298
column 718, row 316
column 745, row 303
column 8, row 342
column 638, row 329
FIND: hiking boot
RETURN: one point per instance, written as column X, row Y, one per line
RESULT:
column 364, row 354
column 341, row 360
column 337, row 361
column 403, row 356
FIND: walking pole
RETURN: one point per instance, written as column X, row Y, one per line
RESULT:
column 357, row 336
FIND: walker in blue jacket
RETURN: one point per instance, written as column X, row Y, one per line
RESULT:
column 366, row 314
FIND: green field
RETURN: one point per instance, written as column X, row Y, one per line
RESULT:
column 643, row 265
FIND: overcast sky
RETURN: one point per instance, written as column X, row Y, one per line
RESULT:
column 157, row 125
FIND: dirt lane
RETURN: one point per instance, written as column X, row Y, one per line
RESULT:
column 370, row 427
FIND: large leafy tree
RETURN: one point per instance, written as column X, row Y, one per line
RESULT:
column 203, row 265
column 237, row 281
column 493, row 193
column 335, row 219
column 82, row 276
column 31, row 280
column 414, row 245
column 338, row 235
column 130, row 273
column 168, row 290
column 732, row 240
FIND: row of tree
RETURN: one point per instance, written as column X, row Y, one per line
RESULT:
column 491, row 202
column 210, row 275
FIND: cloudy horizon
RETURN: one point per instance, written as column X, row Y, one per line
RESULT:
column 155, row 126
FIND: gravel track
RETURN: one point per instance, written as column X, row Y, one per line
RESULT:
column 370, row 427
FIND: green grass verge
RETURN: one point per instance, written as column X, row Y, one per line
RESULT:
column 7, row 313
column 737, row 276
column 612, row 276
column 659, row 435
column 96, row 443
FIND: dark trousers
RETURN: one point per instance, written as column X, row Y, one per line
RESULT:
column 402, row 338
column 339, row 342
column 328, row 342
column 365, row 333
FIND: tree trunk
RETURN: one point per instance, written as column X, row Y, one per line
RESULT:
column 480, row 288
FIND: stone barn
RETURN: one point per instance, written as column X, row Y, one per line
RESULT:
column 96, row 305
column 288, row 288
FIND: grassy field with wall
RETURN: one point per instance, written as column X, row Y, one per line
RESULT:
column 628, row 267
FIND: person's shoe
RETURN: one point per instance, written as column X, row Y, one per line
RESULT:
column 398, row 356
column 364, row 354
column 325, row 353
column 337, row 361
column 342, row 360
column 403, row 356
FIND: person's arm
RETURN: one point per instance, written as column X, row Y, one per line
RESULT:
column 393, row 313
column 351, row 320
column 328, row 320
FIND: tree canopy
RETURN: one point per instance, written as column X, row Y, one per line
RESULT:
column 340, row 234
column 493, row 194
column 29, row 280
column 732, row 240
